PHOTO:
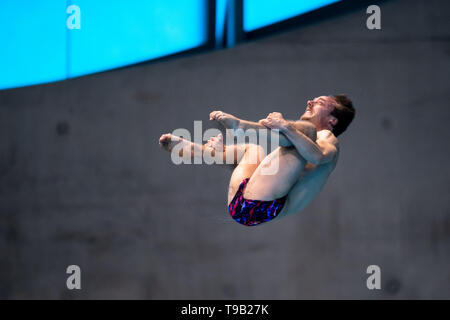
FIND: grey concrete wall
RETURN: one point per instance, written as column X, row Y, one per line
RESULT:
column 83, row 181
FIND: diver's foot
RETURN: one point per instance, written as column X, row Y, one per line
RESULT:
column 216, row 143
column 227, row 120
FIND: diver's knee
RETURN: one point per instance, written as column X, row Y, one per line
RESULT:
column 251, row 147
column 255, row 152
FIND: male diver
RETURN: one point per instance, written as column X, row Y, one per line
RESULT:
column 307, row 154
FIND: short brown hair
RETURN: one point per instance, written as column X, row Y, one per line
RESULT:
column 344, row 112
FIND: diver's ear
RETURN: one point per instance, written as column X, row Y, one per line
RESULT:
column 333, row 121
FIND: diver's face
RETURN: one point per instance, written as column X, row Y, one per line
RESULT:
column 318, row 111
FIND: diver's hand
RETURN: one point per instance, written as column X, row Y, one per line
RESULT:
column 275, row 120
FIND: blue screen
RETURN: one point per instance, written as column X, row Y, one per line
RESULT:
column 33, row 42
column 118, row 33
column 261, row 13
column 37, row 46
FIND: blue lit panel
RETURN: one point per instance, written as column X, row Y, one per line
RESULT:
column 261, row 13
column 32, row 42
column 118, row 33
column 221, row 7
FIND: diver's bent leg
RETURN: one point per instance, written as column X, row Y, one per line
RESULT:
column 275, row 175
column 249, row 162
